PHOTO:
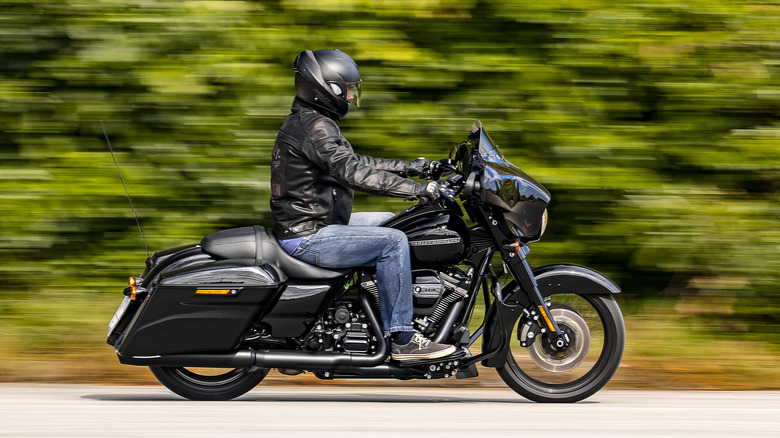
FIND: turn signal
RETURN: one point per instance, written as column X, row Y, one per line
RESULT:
column 215, row 291
column 512, row 246
column 133, row 294
column 131, row 281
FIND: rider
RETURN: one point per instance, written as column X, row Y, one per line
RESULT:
column 314, row 172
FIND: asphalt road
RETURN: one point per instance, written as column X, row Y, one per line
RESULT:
column 331, row 411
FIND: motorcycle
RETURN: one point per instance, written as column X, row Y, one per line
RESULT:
column 212, row 319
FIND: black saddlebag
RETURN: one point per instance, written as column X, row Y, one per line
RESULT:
column 202, row 308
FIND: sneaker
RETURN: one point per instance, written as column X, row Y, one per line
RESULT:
column 421, row 348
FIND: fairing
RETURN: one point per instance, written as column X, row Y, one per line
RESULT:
column 520, row 197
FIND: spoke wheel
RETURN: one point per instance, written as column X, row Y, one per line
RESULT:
column 209, row 383
column 597, row 335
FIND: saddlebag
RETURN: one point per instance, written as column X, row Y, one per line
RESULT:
column 203, row 308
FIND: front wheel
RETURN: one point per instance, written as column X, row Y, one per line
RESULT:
column 209, row 383
column 595, row 326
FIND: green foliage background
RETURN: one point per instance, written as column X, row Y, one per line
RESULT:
column 654, row 125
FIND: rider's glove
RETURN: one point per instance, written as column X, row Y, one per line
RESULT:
column 424, row 169
column 434, row 190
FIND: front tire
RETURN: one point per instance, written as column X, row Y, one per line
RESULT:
column 205, row 384
column 535, row 374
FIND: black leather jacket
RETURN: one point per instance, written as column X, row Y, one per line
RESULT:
column 314, row 173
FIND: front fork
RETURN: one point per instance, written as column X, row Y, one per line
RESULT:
column 514, row 254
column 509, row 305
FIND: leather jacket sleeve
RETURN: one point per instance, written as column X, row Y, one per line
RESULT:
column 330, row 151
column 398, row 167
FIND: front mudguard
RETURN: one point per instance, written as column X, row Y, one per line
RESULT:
column 551, row 279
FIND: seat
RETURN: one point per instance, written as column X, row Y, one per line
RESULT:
column 259, row 243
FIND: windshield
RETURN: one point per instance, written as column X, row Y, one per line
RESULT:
column 502, row 177
column 522, row 199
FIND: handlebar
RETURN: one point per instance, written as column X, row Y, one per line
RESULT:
column 454, row 184
column 445, row 166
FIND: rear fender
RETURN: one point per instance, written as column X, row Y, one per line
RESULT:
column 174, row 258
column 551, row 280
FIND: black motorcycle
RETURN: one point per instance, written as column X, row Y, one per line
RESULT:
column 211, row 319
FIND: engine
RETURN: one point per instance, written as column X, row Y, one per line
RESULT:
column 434, row 293
column 342, row 328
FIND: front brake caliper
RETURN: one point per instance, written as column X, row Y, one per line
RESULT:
column 527, row 331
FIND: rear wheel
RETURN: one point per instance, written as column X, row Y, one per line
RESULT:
column 209, row 383
column 597, row 335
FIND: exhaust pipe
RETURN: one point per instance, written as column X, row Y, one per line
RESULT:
column 299, row 360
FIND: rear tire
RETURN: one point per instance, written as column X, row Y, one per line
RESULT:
column 544, row 386
column 195, row 384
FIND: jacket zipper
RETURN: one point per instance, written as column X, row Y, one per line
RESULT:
column 333, row 205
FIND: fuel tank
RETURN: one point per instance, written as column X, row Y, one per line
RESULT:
column 436, row 235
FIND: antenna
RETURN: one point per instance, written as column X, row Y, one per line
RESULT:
column 125, row 187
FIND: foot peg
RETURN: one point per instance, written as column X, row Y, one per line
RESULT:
column 441, row 361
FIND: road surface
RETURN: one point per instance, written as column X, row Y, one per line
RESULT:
column 349, row 411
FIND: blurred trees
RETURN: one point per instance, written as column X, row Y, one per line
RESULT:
column 655, row 126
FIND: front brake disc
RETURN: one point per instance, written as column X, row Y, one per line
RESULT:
column 574, row 324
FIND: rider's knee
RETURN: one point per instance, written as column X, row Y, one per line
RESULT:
column 398, row 237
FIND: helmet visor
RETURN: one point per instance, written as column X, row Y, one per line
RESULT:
column 353, row 93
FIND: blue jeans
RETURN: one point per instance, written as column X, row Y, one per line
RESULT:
column 363, row 243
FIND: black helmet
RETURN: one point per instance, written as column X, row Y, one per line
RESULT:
column 327, row 79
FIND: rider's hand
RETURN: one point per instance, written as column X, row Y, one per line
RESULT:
column 434, row 190
column 424, row 169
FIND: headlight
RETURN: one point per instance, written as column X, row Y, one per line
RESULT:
column 523, row 232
